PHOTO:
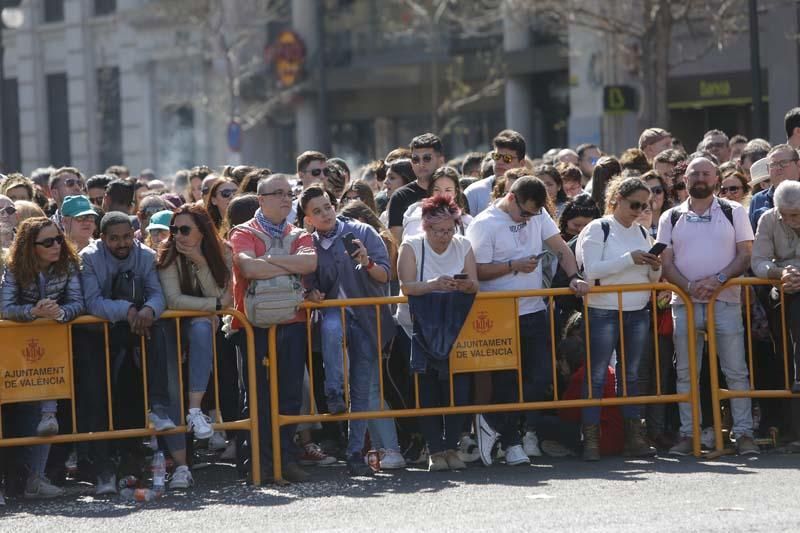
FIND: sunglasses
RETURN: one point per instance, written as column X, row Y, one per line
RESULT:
column 427, row 158
column 507, row 158
column 657, row 189
column 8, row 211
column 226, row 193
column 732, row 188
column 71, row 182
column 637, row 206
column 97, row 200
column 205, row 190
column 316, row 172
column 279, row 193
column 184, row 230
column 524, row 213
column 50, row 241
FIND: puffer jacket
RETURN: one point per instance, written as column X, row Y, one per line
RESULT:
column 17, row 302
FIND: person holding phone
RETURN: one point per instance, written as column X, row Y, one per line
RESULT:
column 614, row 251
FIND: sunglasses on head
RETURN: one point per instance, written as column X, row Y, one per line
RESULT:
column 184, row 230
column 226, row 193
column 732, row 188
column 507, row 158
column 637, row 206
column 427, row 158
column 50, row 241
column 8, row 210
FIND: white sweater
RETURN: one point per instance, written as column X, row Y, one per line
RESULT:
column 611, row 262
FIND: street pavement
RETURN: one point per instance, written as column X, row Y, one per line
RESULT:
column 615, row 494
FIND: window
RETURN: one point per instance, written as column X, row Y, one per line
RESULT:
column 58, row 119
column 104, row 7
column 53, row 10
column 109, row 114
column 177, row 143
column 12, row 157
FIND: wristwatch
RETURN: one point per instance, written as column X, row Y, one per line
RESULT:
column 722, row 278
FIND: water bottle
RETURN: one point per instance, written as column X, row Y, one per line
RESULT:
column 159, row 472
column 144, row 495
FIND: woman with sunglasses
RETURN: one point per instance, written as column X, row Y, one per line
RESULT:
column 659, row 199
column 41, row 280
column 194, row 269
column 220, row 195
column 8, row 221
column 618, row 256
column 734, row 187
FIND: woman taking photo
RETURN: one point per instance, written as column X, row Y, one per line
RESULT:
column 194, row 272
column 41, row 281
column 438, row 260
column 613, row 251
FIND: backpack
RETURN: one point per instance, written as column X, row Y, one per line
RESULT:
column 725, row 205
column 268, row 302
column 605, row 225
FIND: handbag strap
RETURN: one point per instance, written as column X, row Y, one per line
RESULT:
column 422, row 267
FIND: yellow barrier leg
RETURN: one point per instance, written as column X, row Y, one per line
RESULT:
column 273, row 407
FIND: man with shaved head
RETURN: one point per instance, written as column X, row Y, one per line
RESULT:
column 709, row 241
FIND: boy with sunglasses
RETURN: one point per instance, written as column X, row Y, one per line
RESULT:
column 509, row 152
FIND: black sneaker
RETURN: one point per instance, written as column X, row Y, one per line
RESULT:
column 357, row 467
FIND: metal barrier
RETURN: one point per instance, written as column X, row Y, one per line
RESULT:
column 692, row 397
column 718, row 394
column 247, row 424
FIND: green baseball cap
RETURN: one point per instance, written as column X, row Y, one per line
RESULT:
column 77, row 206
column 160, row 220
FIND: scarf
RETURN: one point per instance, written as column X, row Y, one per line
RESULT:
column 330, row 234
column 273, row 230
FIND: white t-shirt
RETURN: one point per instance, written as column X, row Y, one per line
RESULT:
column 412, row 221
column 479, row 195
column 612, row 264
column 449, row 263
column 496, row 238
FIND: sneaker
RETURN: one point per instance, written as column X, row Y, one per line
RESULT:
column 199, row 423
column 314, row 456
column 181, row 478
column 468, row 450
column 499, row 452
column 230, row 452
column 453, row 460
column 39, row 487
column 217, row 442
column 357, row 467
column 159, row 423
column 708, row 439
column 417, row 453
column 487, row 436
column 48, row 425
column 392, row 460
column 515, row 455
column 745, row 445
column 530, row 443
column 106, row 485
column 683, row 447
column 293, row 473
column 552, row 448
column 437, row 462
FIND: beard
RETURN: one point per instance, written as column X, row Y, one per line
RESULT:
column 700, row 191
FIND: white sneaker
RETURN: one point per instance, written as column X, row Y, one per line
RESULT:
column 217, row 441
column 38, row 488
column 392, row 460
column 106, row 485
column 487, row 436
column 499, row 452
column 708, row 439
column 48, row 425
column 530, row 443
column 230, row 452
column 199, row 423
column 181, row 478
column 515, row 455
column 468, row 450
column 160, row 424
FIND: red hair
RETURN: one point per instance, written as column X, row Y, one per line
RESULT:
column 439, row 208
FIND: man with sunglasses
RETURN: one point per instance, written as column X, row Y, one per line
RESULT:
column 96, row 188
column 427, row 155
column 311, row 167
column 783, row 163
column 507, row 239
column 708, row 242
column 509, row 152
column 65, row 181
column 716, row 142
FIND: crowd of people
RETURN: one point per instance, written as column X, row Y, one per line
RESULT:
column 127, row 248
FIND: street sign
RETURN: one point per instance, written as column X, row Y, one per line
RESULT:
column 619, row 98
column 234, row 136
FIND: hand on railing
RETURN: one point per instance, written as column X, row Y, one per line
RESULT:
column 790, row 279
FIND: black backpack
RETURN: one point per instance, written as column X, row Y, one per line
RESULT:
column 605, row 225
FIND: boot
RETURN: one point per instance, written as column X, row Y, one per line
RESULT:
column 591, row 442
column 635, row 444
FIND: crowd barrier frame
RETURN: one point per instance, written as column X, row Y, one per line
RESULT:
column 247, row 424
column 692, row 397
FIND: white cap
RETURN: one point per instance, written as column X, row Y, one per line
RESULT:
column 759, row 172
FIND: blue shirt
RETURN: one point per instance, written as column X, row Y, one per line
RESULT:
column 760, row 203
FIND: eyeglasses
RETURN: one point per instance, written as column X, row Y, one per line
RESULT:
column 50, row 241
column 71, row 182
column 97, row 200
column 427, row 158
column 732, row 188
column 444, row 232
column 185, row 230
column 226, row 193
column 637, row 206
column 525, row 213
column 280, row 194
column 658, row 189
column 8, row 210
column 507, row 158
column 85, row 218
column 780, row 164
column 316, row 172
column 716, row 146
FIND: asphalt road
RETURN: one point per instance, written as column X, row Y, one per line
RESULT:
column 663, row 494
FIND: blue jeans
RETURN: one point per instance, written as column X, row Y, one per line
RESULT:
column 199, row 334
column 24, row 418
column 604, row 339
column 382, row 431
column 731, row 353
column 435, row 392
column 363, row 355
column 331, row 334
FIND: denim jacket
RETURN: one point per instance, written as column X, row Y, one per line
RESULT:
column 17, row 302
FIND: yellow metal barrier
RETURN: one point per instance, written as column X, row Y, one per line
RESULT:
column 692, row 397
column 718, row 394
column 247, row 424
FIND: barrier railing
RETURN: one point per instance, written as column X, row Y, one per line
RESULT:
column 717, row 393
column 64, row 378
column 692, row 397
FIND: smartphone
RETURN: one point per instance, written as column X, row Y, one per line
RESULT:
column 349, row 245
column 540, row 255
column 460, row 276
column 657, row 248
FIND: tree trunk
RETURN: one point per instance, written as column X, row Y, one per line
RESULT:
column 655, row 66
